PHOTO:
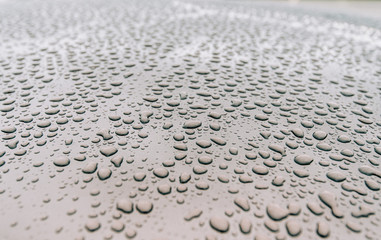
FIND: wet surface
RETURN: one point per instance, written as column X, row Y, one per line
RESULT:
column 175, row 120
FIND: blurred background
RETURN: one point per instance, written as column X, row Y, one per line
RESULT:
column 360, row 8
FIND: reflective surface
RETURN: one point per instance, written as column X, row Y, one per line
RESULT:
column 188, row 120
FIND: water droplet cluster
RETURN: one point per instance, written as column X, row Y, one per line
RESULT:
column 187, row 121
